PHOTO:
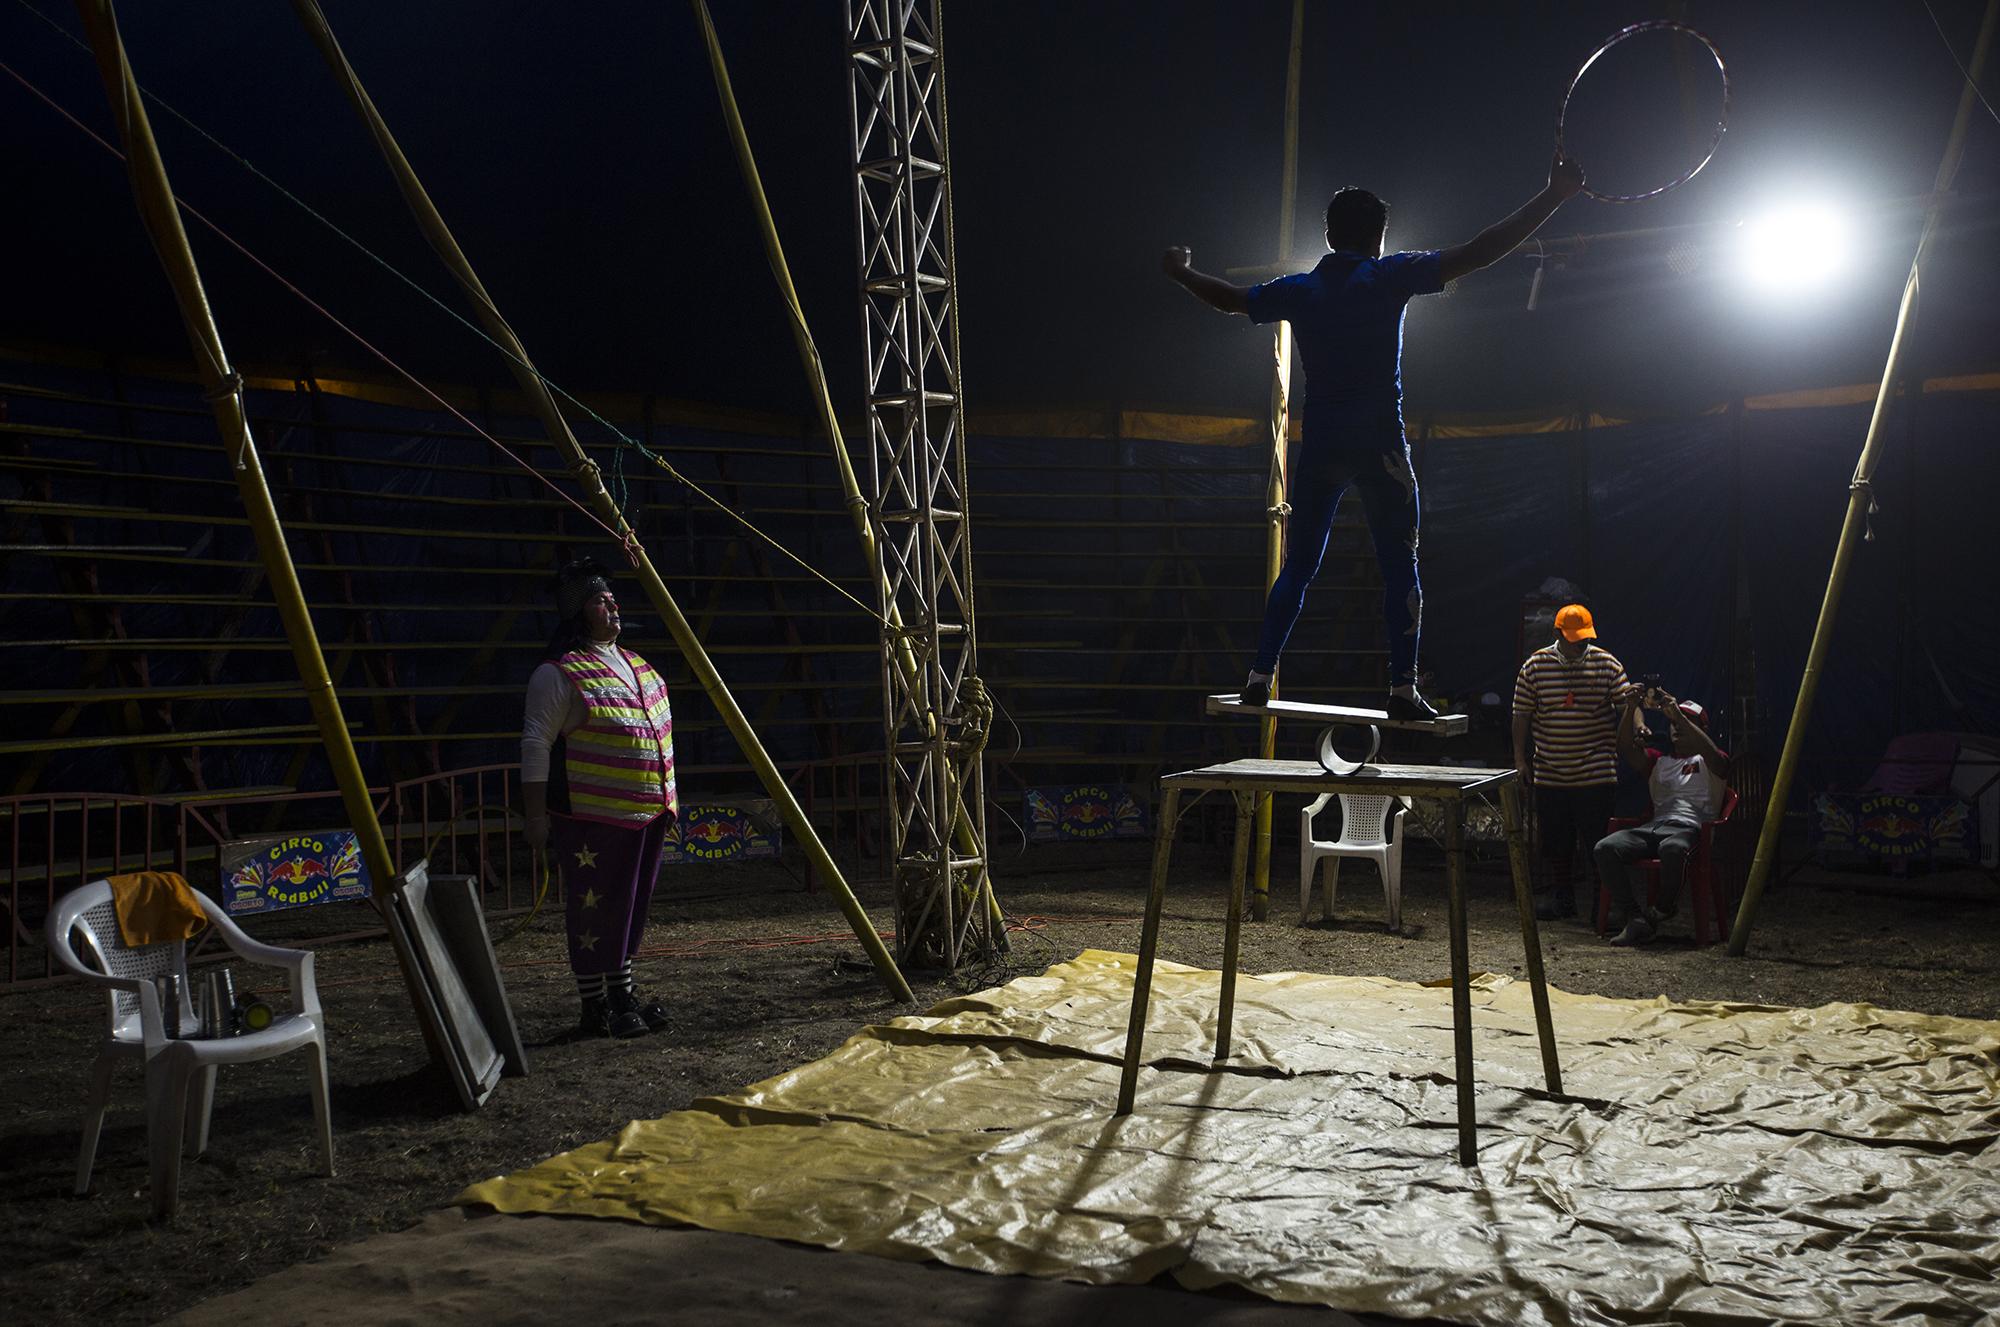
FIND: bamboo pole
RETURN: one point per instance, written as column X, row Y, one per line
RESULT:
column 224, row 387
column 588, row 476
column 1274, row 493
column 1860, row 502
column 822, row 395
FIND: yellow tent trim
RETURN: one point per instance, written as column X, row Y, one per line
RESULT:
column 1098, row 422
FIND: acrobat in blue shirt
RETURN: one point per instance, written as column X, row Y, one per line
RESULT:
column 1347, row 315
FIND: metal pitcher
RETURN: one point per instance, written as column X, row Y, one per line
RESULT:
column 218, row 1013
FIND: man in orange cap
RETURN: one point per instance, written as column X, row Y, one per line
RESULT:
column 1566, row 698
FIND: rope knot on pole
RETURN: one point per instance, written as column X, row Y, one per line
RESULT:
column 1279, row 513
column 228, row 385
column 1867, row 486
column 916, row 635
column 976, row 717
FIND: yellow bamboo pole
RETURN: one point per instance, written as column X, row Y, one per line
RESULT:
column 224, row 388
column 1274, row 493
column 587, row 475
column 1860, row 501
column 822, row 395
column 225, row 393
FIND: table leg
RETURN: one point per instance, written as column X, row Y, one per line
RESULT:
column 1461, row 979
column 1531, row 936
column 1246, row 827
column 1149, row 941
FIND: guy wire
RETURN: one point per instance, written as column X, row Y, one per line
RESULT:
column 623, row 438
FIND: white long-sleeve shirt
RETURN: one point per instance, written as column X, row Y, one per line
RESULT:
column 555, row 708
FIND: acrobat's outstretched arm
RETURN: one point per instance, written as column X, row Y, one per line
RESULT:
column 1502, row 238
column 1210, row 290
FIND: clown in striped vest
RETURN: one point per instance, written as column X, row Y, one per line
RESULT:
column 597, row 783
column 619, row 767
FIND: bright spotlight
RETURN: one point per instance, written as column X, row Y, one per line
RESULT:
column 1796, row 247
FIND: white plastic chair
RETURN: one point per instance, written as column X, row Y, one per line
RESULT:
column 136, row 1029
column 1362, row 818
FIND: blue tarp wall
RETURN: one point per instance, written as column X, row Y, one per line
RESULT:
column 1647, row 518
column 1701, row 542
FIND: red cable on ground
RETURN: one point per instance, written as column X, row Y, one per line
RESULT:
column 730, row 944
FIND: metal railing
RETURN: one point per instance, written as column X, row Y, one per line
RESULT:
column 462, row 820
column 434, row 817
column 57, row 841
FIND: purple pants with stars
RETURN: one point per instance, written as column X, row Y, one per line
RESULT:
column 609, row 871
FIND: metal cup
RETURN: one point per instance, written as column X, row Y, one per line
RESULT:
column 218, row 1015
column 168, row 984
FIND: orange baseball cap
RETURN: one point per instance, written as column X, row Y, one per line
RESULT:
column 1573, row 621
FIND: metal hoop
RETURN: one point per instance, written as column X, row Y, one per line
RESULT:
column 1721, row 120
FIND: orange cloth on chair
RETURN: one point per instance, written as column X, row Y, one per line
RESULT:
column 155, row 907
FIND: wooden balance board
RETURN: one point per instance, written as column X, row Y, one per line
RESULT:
column 1336, row 719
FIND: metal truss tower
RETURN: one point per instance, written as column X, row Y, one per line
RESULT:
column 935, row 708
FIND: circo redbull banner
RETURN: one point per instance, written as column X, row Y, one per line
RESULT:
column 1890, row 827
column 292, row 871
column 724, row 833
column 1083, row 813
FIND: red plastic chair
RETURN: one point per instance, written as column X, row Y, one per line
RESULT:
column 1711, row 903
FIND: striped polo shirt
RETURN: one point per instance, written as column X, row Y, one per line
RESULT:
column 1570, row 708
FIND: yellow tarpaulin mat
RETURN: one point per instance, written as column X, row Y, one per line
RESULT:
column 1708, row 1163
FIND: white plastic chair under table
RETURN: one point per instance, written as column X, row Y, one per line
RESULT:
column 1362, row 819
column 177, row 1065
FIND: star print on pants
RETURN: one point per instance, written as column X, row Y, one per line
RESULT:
column 588, row 940
column 585, row 856
column 590, row 897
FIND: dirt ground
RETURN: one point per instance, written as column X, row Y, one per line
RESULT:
column 763, row 975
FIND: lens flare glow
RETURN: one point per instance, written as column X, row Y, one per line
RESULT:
column 1797, row 247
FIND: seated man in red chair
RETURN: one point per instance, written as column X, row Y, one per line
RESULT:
column 1688, row 785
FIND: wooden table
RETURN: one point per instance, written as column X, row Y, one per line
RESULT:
column 1244, row 781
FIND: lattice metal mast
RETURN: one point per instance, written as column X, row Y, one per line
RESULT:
column 935, row 709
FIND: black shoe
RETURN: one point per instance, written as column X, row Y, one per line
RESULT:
column 604, row 1016
column 1406, row 709
column 1554, row 906
column 652, row 1012
column 623, row 1016
column 596, row 1019
column 1255, row 693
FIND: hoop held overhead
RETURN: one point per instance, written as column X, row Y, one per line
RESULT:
column 1721, row 119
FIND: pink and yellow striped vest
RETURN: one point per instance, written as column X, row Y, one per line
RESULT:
column 620, row 762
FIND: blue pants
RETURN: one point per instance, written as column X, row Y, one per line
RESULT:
column 1376, row 463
